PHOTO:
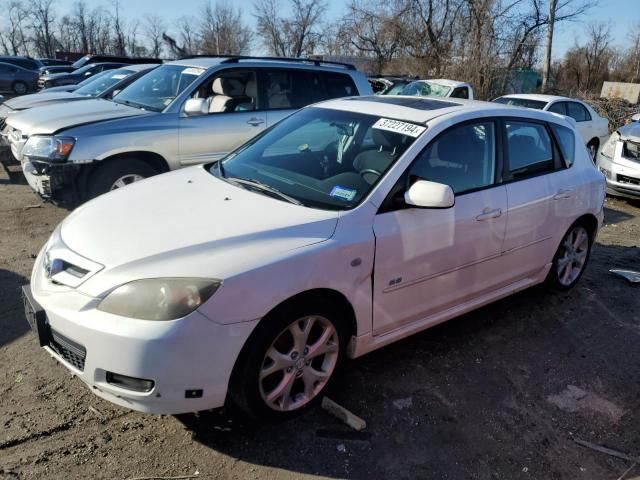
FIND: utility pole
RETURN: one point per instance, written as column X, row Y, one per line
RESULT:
column 547, row 51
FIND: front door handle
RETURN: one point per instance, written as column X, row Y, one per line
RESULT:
column 562, row 193
column 255, row 121
column 488, row 214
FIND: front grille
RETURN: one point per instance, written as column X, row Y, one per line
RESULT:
column 630, row 180
column 73, row 353
column 631, row 151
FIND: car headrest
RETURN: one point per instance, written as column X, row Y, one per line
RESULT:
column 227, row 86
column 251, row 90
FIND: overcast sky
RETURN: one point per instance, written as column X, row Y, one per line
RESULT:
column 623, row 15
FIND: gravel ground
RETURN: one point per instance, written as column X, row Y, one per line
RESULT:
column 497, row 394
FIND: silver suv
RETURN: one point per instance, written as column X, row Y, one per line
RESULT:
column 185, row 112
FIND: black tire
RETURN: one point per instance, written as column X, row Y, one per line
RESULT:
column 105, row 176
column 554, row 280
column 19, row 88
column 592, row 147
column 245, row 385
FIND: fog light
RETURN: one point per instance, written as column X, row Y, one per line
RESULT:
column 130, row 383
column 607, row 173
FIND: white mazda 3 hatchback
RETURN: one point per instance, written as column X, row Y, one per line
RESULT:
column 347, row 226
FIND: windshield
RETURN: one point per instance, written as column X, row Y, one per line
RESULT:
column 92, row 78
column 521, row 102
column 319, row 157
column 157, row 89
column 94, row 86
column 396, row 89
column 81, row 62
column 84, row 69
column 425, row 89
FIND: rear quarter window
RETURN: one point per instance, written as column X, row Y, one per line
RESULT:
column 340, row 85
column 567, row 142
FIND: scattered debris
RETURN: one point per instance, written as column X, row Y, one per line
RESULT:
column 96, row 411
column 608, row 451
column 573, row 399
column 629, row 275
column 27, row 207
column 341, row 448
column 343, row 414
column 403, row 403
column 181, row 477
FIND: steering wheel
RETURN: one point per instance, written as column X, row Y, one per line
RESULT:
column 367, row 171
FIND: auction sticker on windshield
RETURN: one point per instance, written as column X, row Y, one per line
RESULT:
column 343, row 193
column 397, row 126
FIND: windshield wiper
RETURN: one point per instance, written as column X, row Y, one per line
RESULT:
column 133, row 104
column 257, row 184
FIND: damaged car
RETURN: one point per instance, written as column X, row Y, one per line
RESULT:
column 619, row 161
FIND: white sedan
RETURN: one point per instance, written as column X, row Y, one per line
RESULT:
column 593, row 128
column 349, row 225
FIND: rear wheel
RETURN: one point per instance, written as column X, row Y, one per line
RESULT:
column 289, row 361
column 20, row 88
column 571, row 258
column 117, row 174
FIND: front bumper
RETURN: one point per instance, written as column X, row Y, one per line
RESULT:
column 52, row 181
column 189, row 360
column 622, row 174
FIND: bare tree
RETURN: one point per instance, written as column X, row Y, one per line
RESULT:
column 14, row 39
column 293, row 35
column 42, row 24
column 154, row 28
column 119, row 41
column 222, row 30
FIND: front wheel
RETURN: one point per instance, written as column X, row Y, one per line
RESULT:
column 289, row 361
column 117, row 174
column 20, row 88
column 571, row 258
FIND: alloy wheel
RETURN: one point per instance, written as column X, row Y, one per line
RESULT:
column 299, row 363
column 126, row 180
column 573, row 255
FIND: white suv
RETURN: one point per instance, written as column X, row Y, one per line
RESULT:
column 349, row 225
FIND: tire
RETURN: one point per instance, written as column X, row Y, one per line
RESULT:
column 20, row 88
column 272, row 380
column 571, row 258
column 116, row 174
column 592, row 147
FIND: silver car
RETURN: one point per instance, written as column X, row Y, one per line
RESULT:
column 186, row 112
column 619, row 161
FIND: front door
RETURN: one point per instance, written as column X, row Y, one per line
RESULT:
column 429, row 260
column 232, row 119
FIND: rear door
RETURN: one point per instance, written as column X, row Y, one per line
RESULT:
column 234, row 116
column 6, row 77
column 581, row 115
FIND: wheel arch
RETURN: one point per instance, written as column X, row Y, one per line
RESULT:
column 590, row 222
column 154, row 160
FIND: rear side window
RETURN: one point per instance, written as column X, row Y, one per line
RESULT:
column 340, row 85
column 529, row 148
column 560, row 107
column 578, row 112
column 293, row 88
column 566, row 140
column 25, row 63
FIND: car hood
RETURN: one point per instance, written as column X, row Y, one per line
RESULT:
column 630, row 131
column 50, row 119
column 40, row 99
column 187, row 223
column 58, row 76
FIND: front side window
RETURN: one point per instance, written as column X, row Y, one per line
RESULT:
column 529, row 148
column 578, row 112
column 460, row 92
column 230, row 91
column 156, row 90
column 320, row 157
column 462, row 157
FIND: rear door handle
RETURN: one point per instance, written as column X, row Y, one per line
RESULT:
column 255, row 121
column 562, row 193
column 488, row 214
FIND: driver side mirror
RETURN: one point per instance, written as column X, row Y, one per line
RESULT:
column 635, row 118
column 196, row 106
column 426, row 194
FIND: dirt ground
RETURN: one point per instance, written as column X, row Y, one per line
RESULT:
column 497, row 394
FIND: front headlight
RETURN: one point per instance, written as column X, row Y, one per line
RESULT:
column 609, row 147
column 159, row 298
column 48, row 148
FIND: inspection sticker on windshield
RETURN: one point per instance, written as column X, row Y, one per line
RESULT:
column 397, row 126
column 343, row 193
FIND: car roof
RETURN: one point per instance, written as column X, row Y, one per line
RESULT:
column 445, row 81
column 423, row 109
column 537, row 96
column 206, row 62
column 138, row 67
